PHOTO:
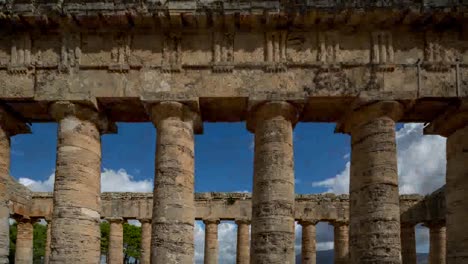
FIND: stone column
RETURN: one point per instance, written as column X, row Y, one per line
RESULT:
column 9, row 126
column 77, row 201
column 456, row 196
column 115, row 241
column 341, row 240
column 454, row 125
column 145, row 241
column 48, row 239
column 243, row 241
column 24, row 241
column 309, row 250
column 173, row 198
column 408, row 243
column 211, row 241
column 374, row 198
column 273, row 183
column 437, row 243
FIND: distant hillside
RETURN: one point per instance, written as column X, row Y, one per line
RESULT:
column 326, row 257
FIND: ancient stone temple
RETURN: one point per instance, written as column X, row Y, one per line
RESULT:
column 364, row 65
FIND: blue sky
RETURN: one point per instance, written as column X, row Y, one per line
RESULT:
column 223, row 154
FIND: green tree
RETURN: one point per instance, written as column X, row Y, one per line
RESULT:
column 105, row 231
column 13, row 232
column 132, row 241
column 39, row 242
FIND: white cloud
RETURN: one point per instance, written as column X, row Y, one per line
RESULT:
column 121, row 181
column 39, row 186
column 111, row 181
column 199, row 236
column 227, row 239
column 421, row 160
column 421, row 163
column 134, row 222
column 338, row 184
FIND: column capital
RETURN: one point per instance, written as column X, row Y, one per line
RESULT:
column 337, row 223
column 362, row 112
column 307, row 222
column 145, row 220
column 271, row 109
column 114, row 220
column 211, row 221
column 240, row 221
column 172, row 109
column 62, row 109
column 12, row 123
column 453, row 119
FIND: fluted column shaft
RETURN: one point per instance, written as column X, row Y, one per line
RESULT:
column 9, row 126
column 145, row 241
column 374, row 198
column 48, row 239
column 211, row 241
column 115, row 241
column 341, row 240
column 173, row 198
column 24, row 242
column 437, row 243
column 456, row 196
column 408, row 244
column 273, row 187
column 309, row 249
column 243, row 242
column 75, row 230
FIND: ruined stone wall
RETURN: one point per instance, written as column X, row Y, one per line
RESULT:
column 19, row 196
column 230, row 206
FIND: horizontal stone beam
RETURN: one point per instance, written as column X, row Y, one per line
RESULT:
column 222, row 71
column 231, row 206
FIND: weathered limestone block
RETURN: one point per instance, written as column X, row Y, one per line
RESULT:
column 24, row 242
column 457, row 196
column 437, row 243
column 341, row 240
column 408, row 243
column 9, row 126
column 115, row 241
column 309, row 249
column 273, row 188
column 145, row 241
column 173, row 198
column 243, row 241
column 374, row 199
column 77, row 201
column 211, row 241
column 453, row 124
